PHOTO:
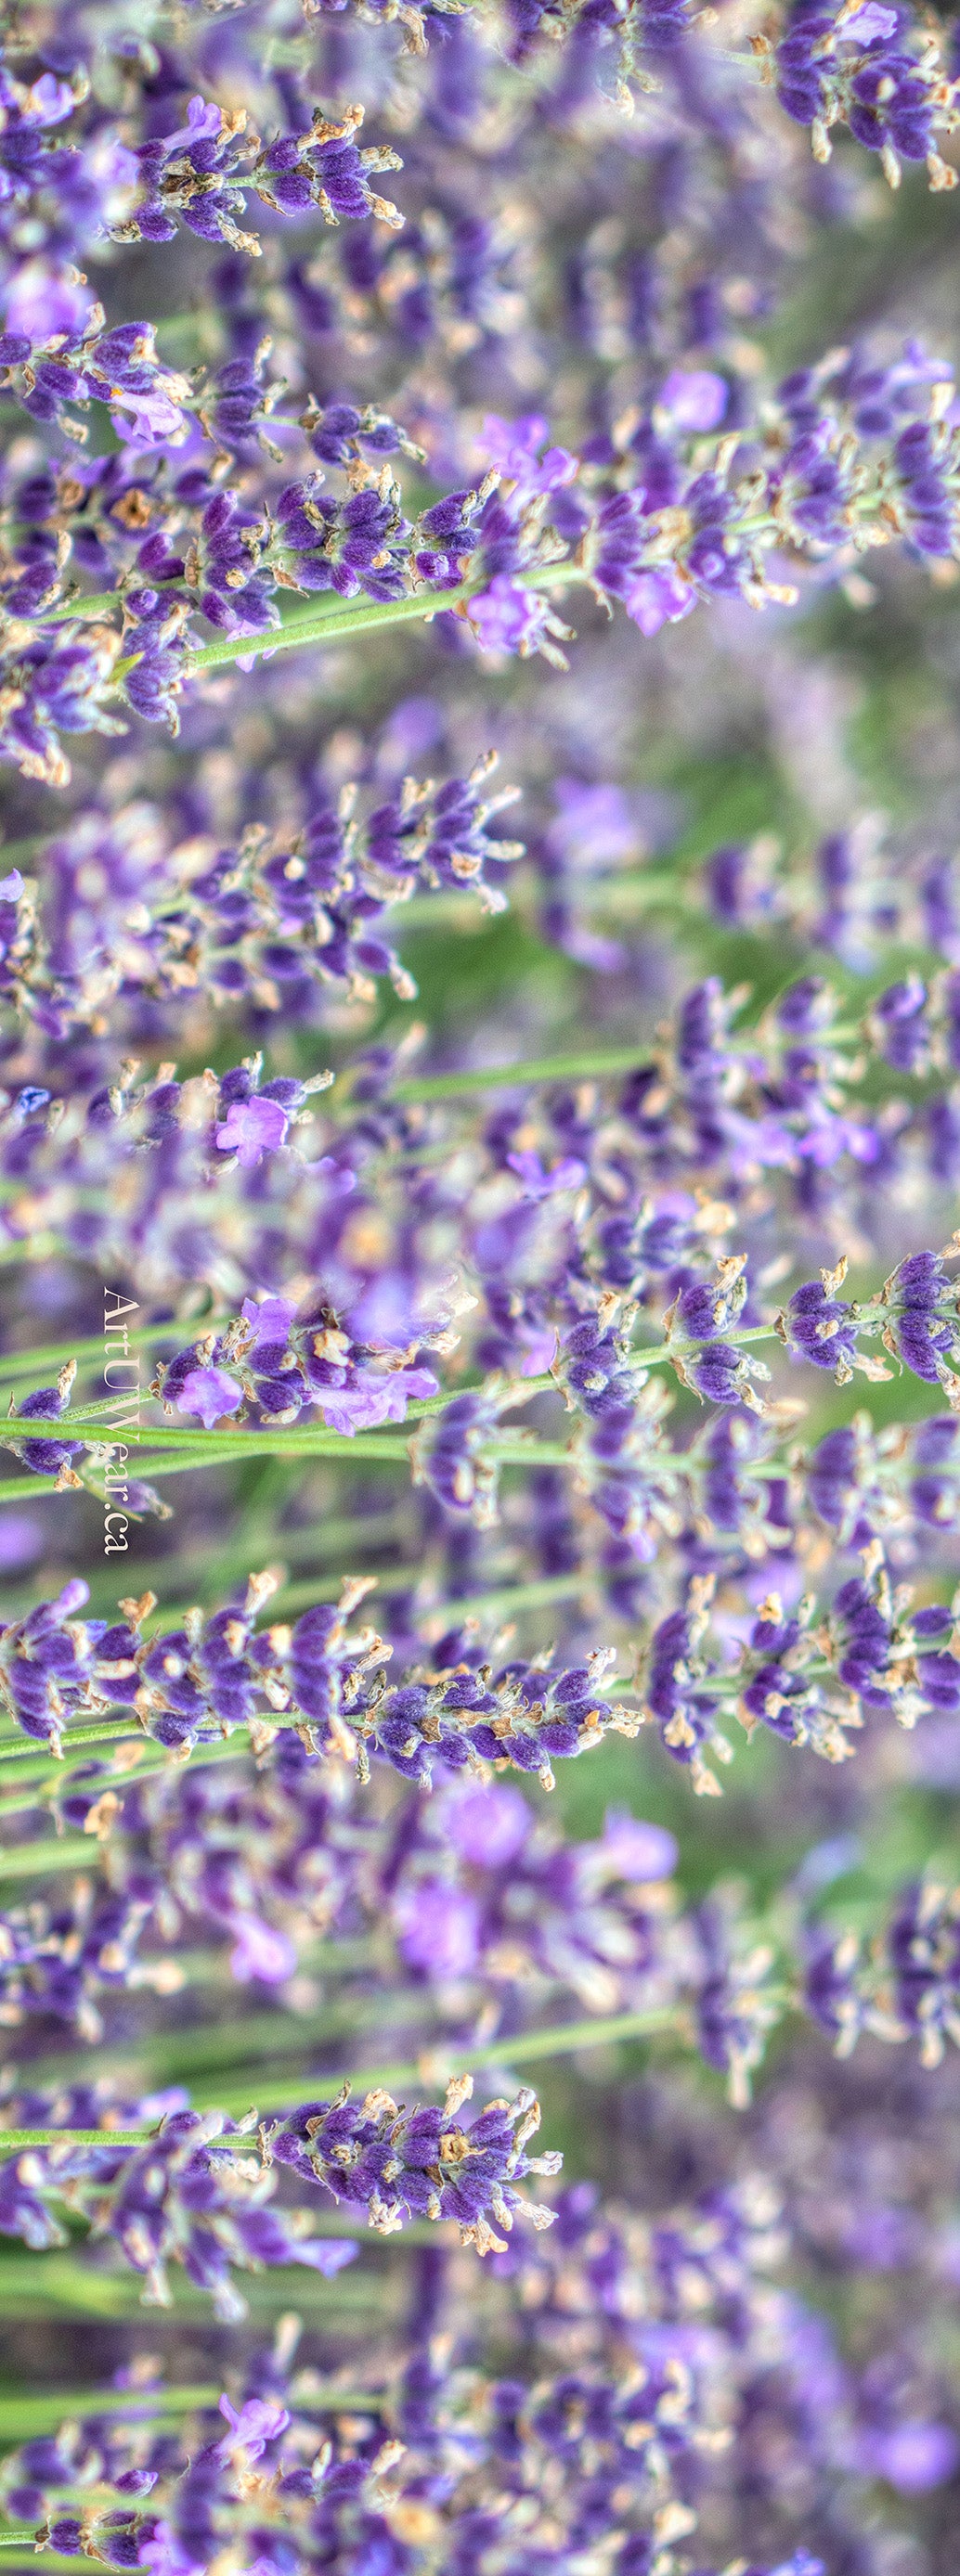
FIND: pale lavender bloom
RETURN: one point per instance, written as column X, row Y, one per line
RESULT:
column 538, row 1350
column 271, row 1317
column 593, row 827
column 867, row 23
column 326, row 2254
column 538, row 1184
column 911, row 2457
column 658, row 597
column 373, row 1396
column 151, row 419
column 49, row 101
column 251, row 1129
column 72, row 1597
column 512, row 445
column 258, row 2422
column 507, row 618
column 637, row 1850
column 167, row 2555
column 438, row 1927
column 21, row 1538
column 694, row 397
column 204, row 120
column 828, row 1137
column 41, row 300
column 388, row 1315
column 210, row 1393
column 486, row 1825
column 260, row 1952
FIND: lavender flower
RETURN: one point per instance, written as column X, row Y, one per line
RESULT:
column 180, row 2198
column 865, row 65
column 202, row 170
column 421, row 2161
column 174, row 2200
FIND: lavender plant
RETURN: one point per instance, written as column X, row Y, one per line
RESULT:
column 479, row 1150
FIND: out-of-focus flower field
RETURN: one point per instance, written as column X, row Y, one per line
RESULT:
column 480, row 1288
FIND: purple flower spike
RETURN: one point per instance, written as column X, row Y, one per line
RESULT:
column 421, row 2163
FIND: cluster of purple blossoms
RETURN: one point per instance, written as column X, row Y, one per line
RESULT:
column 906, row 1987
column 189, row 2196
column 199, row 175
column 871, row 1653
column 278, row 928
column 421, row 2162
column 657, row 2346
column 488, row 1913
column 435, row 2454
column 851, row 895
column 196, row 1683
column 639, row 518
column 868, row 66
column 280, row 1372
column 791, row 1102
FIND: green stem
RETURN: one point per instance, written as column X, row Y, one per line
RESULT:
column 643, row 888
column 337, row 624
column 174, row 2056
column 449, row 2057
column 371, row 1446
column 38, row 1860
column 50, row 2559
column 100, row 1734
column 22, row 2417
column 336, row 627
column 431, row 2070
column 166, row 1453
column 37, row 1765
column 34, row 1364
column 503, row 1601
column 160, row 1454
column 22, row 1489
column 581, row 1065
column 17, row 2141
column 47, row 2284
column 292, row 1439
column 87, row 604
column 168, row 1575
column 427, row 2074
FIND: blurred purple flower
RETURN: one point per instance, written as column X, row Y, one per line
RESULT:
column 658, row 597
column 911, row 2457
column 251, row 1129
column 260, row 1952
column 209, row 1393
column 439, row 1928
column 694, row 398
column 506, row 618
